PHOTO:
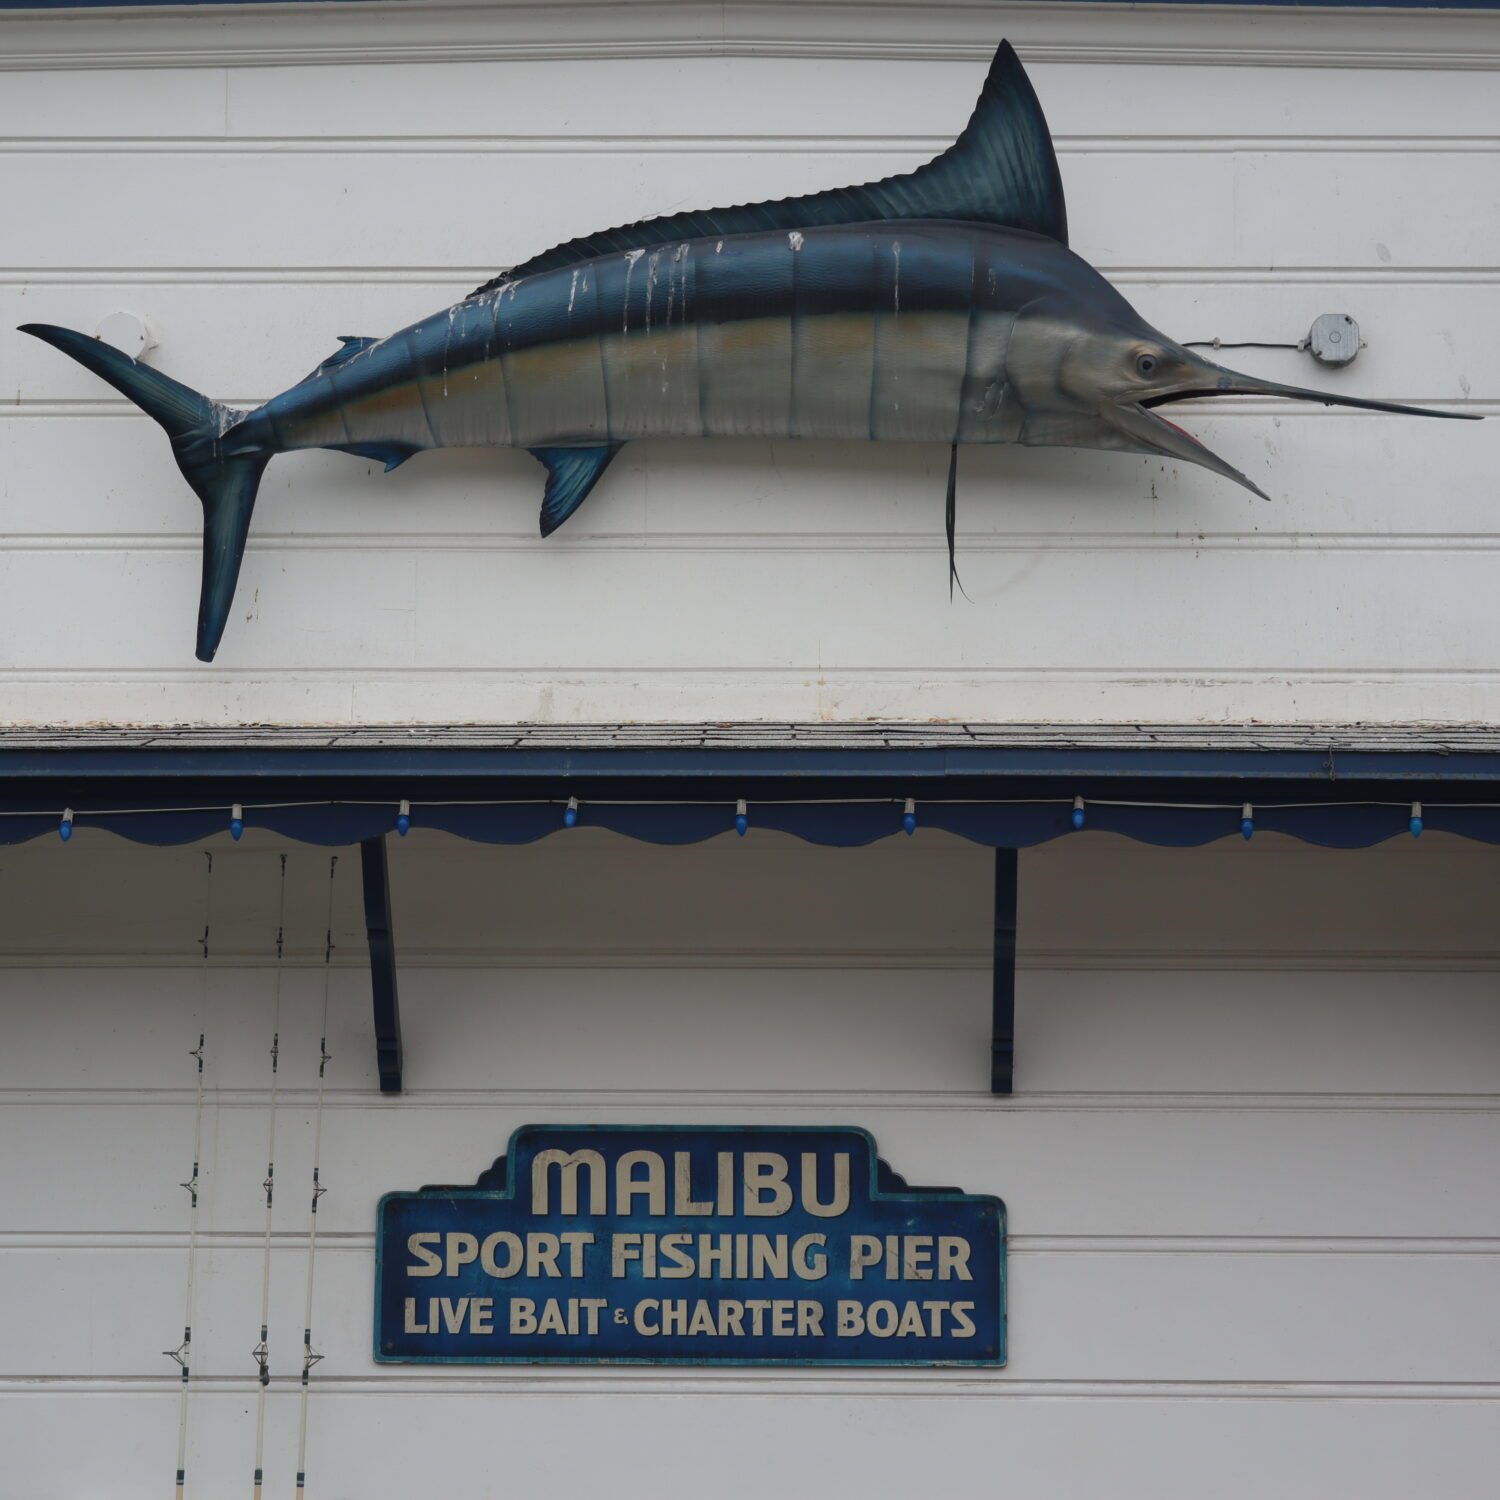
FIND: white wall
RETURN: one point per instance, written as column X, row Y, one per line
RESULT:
column 256, row 183
column 1250, row 1168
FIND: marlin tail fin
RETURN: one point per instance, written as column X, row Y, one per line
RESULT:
column 225, row 481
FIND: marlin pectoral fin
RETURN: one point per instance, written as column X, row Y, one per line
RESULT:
column 571, row 474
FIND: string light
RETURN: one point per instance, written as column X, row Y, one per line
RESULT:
column 236, row 822
column 403, row 818
column 67, row 816
column 1247, row 822
column 741, row 818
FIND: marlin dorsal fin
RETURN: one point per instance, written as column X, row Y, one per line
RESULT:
column 350, row 344
column 1002, row 170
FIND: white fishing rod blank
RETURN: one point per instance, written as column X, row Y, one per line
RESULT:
column 183, row 1353
column 310, row 1356
column 262, row 1352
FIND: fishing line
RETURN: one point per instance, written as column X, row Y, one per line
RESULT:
column 309, row 1356
column 184, row 1351
column 261, row 1354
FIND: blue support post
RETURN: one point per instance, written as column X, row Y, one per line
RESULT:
column 1003, row 1019
column 377, row 887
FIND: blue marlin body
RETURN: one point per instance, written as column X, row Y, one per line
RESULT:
column 938, row 306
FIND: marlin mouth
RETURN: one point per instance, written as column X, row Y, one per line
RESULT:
column 1194, row 394
column 1137, row 418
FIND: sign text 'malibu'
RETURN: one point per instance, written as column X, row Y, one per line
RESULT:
column 692, row 1245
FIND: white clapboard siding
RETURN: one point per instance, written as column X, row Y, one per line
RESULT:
column 1365, row 1036
column 890, row 1444
column 1186, row 208
column 1141, row 1170
column 702, row 100
column 1249, row 1169
column 1254, row 1225
column 254, row 189
column 1081, row 1314
column 425, row 625
column 1091, row 901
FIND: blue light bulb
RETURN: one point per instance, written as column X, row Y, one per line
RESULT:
column 65, row 828
column 403, row 818
column 1415, row 823
column 570, row 813
column 1247, row 822
column 1078, row 814
column 909, row 817
column 741, row 817
column 236, row 822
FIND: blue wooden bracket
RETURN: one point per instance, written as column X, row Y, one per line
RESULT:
column 1003, row 1016
column 377, row 884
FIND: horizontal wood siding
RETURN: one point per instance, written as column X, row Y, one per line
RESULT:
column 1249, row 1166
column 256, row 185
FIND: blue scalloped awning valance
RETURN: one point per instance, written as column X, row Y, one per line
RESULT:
column 1020, row 824
column 831, row 784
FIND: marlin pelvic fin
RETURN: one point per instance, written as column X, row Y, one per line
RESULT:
column 392, row 455
column 1002, row 170
column 224, row 476
column 571, row 474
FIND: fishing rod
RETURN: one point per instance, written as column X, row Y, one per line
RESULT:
column 184, row 1351
column 261, row 1353
column 309, row 1356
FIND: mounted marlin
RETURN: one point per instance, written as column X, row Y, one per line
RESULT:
column 941, row 305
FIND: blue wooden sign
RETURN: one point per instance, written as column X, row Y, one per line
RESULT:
column 745, row 1245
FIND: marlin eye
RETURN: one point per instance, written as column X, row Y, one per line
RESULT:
column 1145, row 365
